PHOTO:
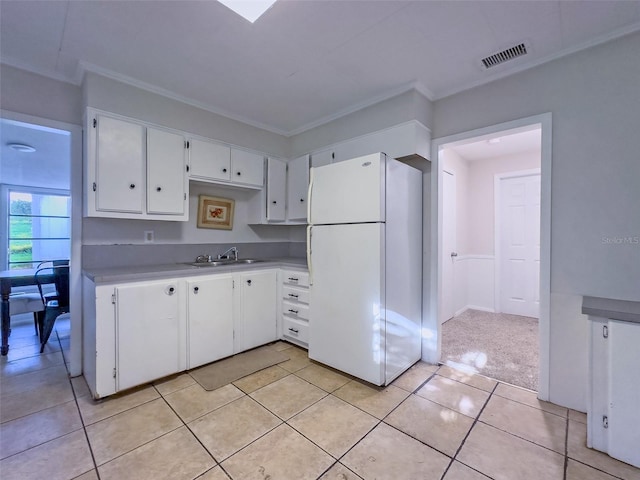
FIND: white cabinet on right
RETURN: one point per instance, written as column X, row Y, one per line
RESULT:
column 613, row 417
column 256, row 307
column 294, row 286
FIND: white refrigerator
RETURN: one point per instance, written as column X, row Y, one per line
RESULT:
column 364, row 251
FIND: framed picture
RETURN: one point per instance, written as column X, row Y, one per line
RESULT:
column 214, row 212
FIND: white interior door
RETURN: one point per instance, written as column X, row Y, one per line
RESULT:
column 448, row 244
column 519, row 254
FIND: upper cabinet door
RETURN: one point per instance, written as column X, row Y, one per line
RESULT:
column 276, row 190
column 120, row 160
column 247, row 168
column 297, row 188
column 209, row 161
column 319, row 159
column 166, row 192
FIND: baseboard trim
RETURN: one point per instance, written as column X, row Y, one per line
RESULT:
column 474, row 307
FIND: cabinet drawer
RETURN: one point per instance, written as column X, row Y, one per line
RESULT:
column 292, row 277
column 295, row 294
column 295, row 329
column 295, row 310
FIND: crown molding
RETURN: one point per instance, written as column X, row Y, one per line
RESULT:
column 86, row 67
column 361, row 106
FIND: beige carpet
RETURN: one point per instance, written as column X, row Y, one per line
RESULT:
column 497, row 345
column 222, row 372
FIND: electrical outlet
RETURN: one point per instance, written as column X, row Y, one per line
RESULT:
column 148, row 236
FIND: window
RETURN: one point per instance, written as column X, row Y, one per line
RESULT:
column 39, row 226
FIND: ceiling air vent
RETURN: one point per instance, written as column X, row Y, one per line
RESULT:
column 504, row 56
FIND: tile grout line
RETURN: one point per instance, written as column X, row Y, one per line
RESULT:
column 475, row 422
column 84, row 427
column 566, row 447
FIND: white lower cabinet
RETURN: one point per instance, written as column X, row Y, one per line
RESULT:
column 294, row 294
column 147, row 332
column 256, row 322
column 137, row 332
column 209, row 319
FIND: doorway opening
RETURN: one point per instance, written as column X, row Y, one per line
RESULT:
column 492, row 303
column 40, row 206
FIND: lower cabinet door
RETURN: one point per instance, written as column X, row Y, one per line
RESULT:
column 258, row 308
column 147, row 332
column 210, row 319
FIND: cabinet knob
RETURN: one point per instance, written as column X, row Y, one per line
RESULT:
column 132, row 186
column 224, row 170
column 238, row 173
column 302, row 199
column 158, row 189
column 274, row 202
column 170, row 290
column 248, row 282
column 196, row 289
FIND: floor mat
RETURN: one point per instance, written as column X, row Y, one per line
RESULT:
column 222, row 372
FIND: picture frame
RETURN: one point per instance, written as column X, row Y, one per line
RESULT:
column 215, row 212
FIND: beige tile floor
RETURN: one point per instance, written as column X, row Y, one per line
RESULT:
column 296, row 420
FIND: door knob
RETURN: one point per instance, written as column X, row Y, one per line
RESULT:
column 454, row 254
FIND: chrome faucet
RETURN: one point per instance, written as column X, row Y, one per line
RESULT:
column 225, row 255
column 203, row 259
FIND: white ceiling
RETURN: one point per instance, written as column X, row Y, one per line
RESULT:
column 303, row 62
column 49, row 166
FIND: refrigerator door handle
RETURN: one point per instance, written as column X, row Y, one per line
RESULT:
column 309, row 198
column 309, row 264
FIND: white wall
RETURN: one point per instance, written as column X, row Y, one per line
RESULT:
column 32, row 94
column 594, row 99
column 402, row 108
column 116, row 97
column 110, row 231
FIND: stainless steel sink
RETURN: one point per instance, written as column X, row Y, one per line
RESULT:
column 214, row 263
column 218, row 263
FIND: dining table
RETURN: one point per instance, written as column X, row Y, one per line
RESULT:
column 20, row 277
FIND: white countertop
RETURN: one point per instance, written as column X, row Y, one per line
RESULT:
column 150, row 272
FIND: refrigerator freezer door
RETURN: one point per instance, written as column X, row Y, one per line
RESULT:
column 352, row 191
column 346, row 305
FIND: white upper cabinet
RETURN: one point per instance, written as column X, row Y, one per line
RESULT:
column 133, row 170
column 276, row 190
column 209, row 161
column 325, row 157
column 247, row 168
column 119, row 150
column 166, row 187
column 297, row 188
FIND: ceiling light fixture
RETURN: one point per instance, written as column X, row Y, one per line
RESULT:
column 249, row 9
column 21, row 147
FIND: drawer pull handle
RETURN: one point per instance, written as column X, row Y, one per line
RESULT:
column 293, row 295
column 293, row 311
column 293, row 330
column 293, row 279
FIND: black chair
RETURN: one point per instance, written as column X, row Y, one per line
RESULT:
column 56, row 304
